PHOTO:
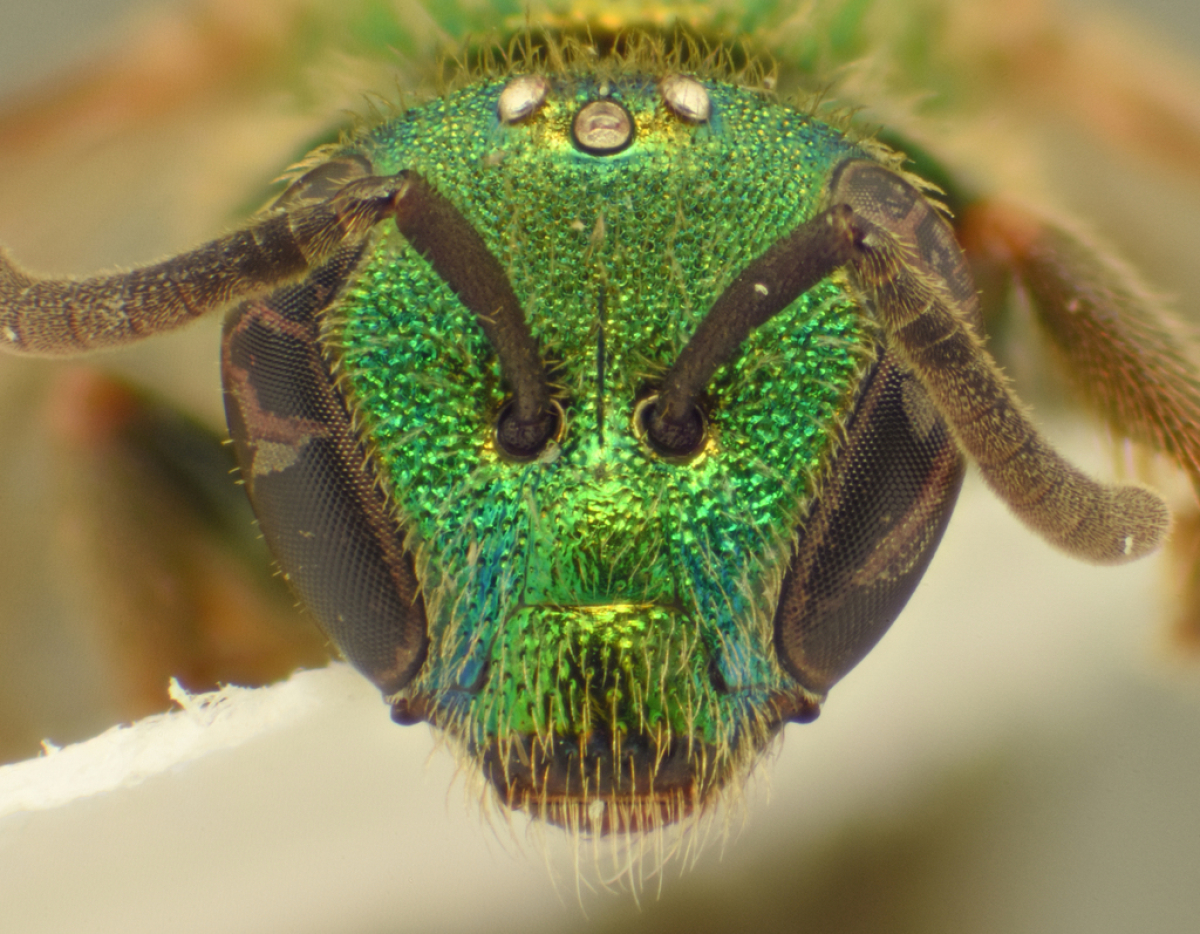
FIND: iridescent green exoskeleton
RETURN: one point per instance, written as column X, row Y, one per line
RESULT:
column 607, row 409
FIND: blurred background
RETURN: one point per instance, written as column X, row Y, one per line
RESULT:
column 1020, row 753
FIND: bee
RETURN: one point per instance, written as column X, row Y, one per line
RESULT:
column 605, row 670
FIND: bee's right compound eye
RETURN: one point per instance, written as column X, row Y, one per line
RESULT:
column 314, row 488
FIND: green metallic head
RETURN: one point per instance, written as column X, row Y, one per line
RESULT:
column 601, row 617
column 581, row 476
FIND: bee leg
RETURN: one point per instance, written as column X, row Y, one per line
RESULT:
column 1123, row 354
column 1184, row 554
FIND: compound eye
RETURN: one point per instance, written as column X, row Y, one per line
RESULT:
column 323, row 182
column 522, row 442
column 672, row 441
